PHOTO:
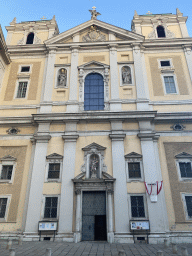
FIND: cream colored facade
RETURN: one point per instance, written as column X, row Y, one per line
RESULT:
column 139, row 130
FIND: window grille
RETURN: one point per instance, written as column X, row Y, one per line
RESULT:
column 189, row 205
column 6, row 172
column 3, row 205
column 137, row 207
column 22, row 89
column 94, row 92
column 169, row 84
column 51, row 207
column 54, row 171
column 185, row 169
column 134, row 170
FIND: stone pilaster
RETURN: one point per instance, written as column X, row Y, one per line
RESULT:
column 188, row 56
column 73, row 103
column 115, row 102
column 110, row 216
column 78, row 216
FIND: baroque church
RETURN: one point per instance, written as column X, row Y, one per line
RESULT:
column 96, row 130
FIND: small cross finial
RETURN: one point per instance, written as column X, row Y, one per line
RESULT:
column 148, row 13
column 94, row 13
column 43, row 18
column 93, row 7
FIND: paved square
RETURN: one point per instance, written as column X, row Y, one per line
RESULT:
column 87, row 249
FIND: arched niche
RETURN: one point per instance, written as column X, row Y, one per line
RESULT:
column 30, row 38
column 62, row 77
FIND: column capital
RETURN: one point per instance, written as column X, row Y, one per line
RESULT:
column 77, row 191
column 40, row 138
column 148, row 136
column 117, row 137
column 187, row 48
column 70, row 138
column 113, row 47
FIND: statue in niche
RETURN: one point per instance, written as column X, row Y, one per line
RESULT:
column 62, row 77
column 94, row 166
column 126, row 75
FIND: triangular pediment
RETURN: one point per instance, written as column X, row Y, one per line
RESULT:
column 100, row 32
column 183, row 155
column 54, row 156
column 93, row 64
column 94, row 146
column 105, row 176
column 8, row 158
column 133, row 155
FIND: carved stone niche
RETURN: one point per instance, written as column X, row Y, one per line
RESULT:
column 93, row 67
column 93, row 161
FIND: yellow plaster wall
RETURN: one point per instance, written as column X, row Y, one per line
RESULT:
column 22, row 130
column 97, row 56
column 85, row 141
column 93, row 127
column 56, row 145
column 124, row 56
column 20, row 181
column 176, row 30
column 57, row 128
column 135, row 187
column 58, row 109
column 146, row 30
column 166, row 181
column 129, row 107
column 127, row 92
column 172, row 108
column 16, row 36
column 163, row 127
column 17, row 112
column 43, row 36
column 51, row 188
column 132, row 144
column 130, row 126
column 63, row 58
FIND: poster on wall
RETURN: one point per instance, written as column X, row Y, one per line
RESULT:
column 139, row 225
column 43, row 226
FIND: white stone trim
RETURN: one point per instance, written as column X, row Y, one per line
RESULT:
column 183, row 195
column 25, row 65
column 56, row 76
column 145, row 206
column 7, row 207
column 175, row 81
column 8, row 162
column 168, row 67
column 132, row 160
column 53, row 161
column 132, row 74
column 183, row 160
column 43, row 207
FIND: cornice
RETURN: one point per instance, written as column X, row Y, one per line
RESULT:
column 70, row 138
column 41, row 138
column 148, row 136
column 27, row 49
column 117, row 136
column 16, row 120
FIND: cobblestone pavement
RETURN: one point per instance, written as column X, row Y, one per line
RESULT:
column 87, row 248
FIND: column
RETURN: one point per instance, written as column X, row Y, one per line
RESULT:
column 78, row 216
column 66, row 203
column 152, row 173
column 49, row 80
column 110, row 216
column 140, row 78
column 188, row 56
column 37, row 181
column 73, row 103
column 115, row 102
column 120, row 185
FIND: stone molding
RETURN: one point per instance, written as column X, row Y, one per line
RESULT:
column 40, row 138
column 117, row 137
column 148, row 136
column 70, row 138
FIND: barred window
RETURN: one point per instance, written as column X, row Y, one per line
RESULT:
column 134, row 170
column 22, row 89
column 185, row 169
column 169, row 84
column 3, row 205
column 188, row 200
column 51, row 207
column 54, row 171
column 137, row 207
column 6, row 172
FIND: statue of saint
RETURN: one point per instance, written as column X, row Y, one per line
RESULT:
column 62, row 78
column 94, row 13
column 126, row 75
column 94, row 164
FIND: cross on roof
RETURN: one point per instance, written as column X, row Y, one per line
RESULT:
column 149, row 13
column 43, row 18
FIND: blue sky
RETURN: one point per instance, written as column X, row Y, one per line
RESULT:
column 71, row 13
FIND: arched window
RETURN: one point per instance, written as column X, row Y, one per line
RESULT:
column 160, row 31
column 30, row 38
column 94, row 92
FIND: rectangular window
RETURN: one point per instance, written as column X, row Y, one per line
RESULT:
column 165, row 63
column 137, row 207
column 54, row 171
column 169, row 84
column 6, row 172
column 185, row 169
column 134, row 170
column 3, row 205
column 51, row 207
column 25, row 69
column 22, row 89
column 188, row 200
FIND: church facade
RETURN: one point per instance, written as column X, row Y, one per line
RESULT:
column 96, row 131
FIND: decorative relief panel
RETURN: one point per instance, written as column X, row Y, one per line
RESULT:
column 94, row 35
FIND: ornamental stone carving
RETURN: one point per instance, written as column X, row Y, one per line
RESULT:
column 126, row 75
column 94, row 35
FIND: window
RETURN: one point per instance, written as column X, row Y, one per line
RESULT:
column 160, row 31
column 30, row 38
column 25, row 69
column 6, row 172
column 54, row 171
column 165, row 63
column 188, row 200
column 22, row 89
column 94, row 92
column 134, row 170
column 184, row 166
column 3, row 206
column 137, row 207
column 185, row 169
column 169, row 84
column 50, row 210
